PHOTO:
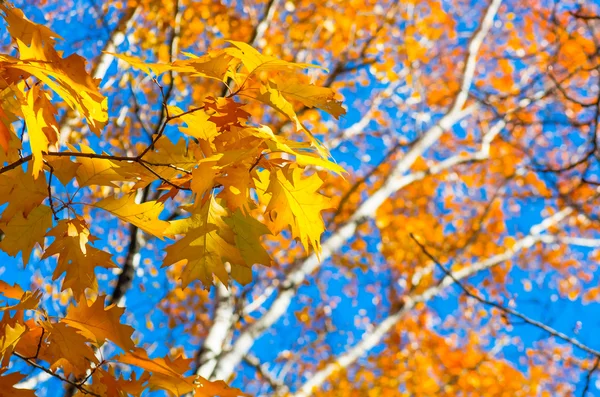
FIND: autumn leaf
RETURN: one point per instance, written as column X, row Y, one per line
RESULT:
column 166, row 373
column 247, row 237
column 76, row 257
column 11, row 291
column 68, row 349
column 66, row 76
column 8, row 381
column 39, row 115
column 206, row 246
column 21, row 192
column 23, row 233
column 96, row 171
column 294, row 201
column 9, row 337
column 98, row 323
column 144, row 216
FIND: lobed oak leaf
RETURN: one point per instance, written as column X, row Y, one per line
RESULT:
column 248, row 231
column 144, row 215
column 312, row 96
column 206, row 388
column 8, row 381
column 21, row 191
column 294, row 201
column 65, row 76
column 107, row 383
column 215, row 64
column 76, row 257
column 165, row 373
column 67, row 349
column 28, row 301
column 12, row 292
column 254, row 61
column 21, row 233
column 198, row 124
column 63, row 168
column 10, row 334
column 98, row 323
column 149, row 68
column 207, row 246
column 39, row 115
column 96, row 171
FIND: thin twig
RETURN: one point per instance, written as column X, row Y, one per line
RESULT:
column 477, row 296
column 57, row 376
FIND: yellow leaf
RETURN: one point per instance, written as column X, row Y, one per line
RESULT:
column 98, row 323
column 147, row 67
column 22, row 234
column 8, row 381
column 247, row 238
column 95, row 171
column 208, row 243
column 76, row 257
column 21, row 191
column 67, row 349
column 144, row 215
column 294, row 201
column 215, row 64
column 9, row 337
column 39, row 115
column 254, row 60
column 63, row 168
column 166, row 373
column 312, row 96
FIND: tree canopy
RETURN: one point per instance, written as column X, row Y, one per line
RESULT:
column 299, row 198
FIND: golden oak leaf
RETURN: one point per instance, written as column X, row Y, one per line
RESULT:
column 294, row 201
column 206, row 388
column 76, row 257
column 96, row 171
column 226, row 113
column 10, row 334
column 11, row 292
column 10, row 111
column 63, row 168
column 168, row 159
column 144, row 215
column 197, row 123
column 311, row 96
column 165, row 373
column 29, row 300
column 8, row 381
column 98, row 323
column 67, row 77
column 203, row 178
column 236, row 187
column 255, row 61
column 107, row 383
column 67, row 349
column 21, row 191
column 300, row 150
column 29, row 342
column 22, row 234
column 39, row 115
column 215, row 64
column 247, row 238
column 208, row 243
column 270, row 95
column 147, row 67
column 19, row 27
